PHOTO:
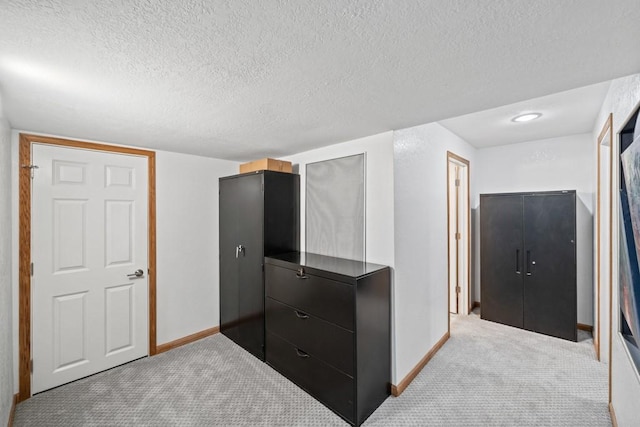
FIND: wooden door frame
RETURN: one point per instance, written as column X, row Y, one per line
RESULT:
column 606, row 128
column 24, row 237
column 452, row 156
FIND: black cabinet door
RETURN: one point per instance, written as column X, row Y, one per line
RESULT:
column 501, row 258
column 228, row 230
column 241, row 258
column 550, row 265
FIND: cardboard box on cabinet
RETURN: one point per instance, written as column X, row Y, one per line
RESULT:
column 266, row 164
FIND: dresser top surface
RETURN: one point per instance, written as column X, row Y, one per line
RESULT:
column 345, row 267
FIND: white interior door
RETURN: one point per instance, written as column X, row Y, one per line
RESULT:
column 458, row 237
column 463, row 240
column 453, row 236
column 88, row 235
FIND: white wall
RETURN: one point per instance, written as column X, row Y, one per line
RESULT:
column 6, row 318
column 187, row 243
column 187, row 233
column 565, row 163
column 420, row 216
column 379, row 210
column 378, row 151
column 623, row 97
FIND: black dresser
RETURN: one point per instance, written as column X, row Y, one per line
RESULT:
column 328, row 329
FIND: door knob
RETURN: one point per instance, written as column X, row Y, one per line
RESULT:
column 136, row 274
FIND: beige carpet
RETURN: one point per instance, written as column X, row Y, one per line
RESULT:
column 486, row 374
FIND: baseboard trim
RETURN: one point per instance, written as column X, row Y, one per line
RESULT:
column 475, row 305
column 612, row 412
column 584, row 327
column 186, row 340
column 396, row 390
column 12, row 411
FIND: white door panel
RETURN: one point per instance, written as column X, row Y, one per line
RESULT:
column 458, row 237
column 452, row 216
column 89, row 232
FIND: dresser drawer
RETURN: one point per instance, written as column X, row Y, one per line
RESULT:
column 324, row 298
column 328, row 385
column 321, row 339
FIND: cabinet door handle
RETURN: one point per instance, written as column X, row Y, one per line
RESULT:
column 518, row 261
column 300, row 274
column 529, row 263
column 301, row 315
column 240, row 250
column 301, row 353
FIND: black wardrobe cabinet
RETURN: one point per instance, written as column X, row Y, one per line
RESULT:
column 528, row 261
column 259, row 216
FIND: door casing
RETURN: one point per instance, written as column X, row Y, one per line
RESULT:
column 603, row 231
column 24, row 251
column 452, row 157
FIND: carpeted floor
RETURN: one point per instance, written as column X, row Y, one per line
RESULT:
column 486, row 374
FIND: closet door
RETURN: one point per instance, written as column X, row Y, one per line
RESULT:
column 228, row 226
column 501, row 258
column 550, row 265
column 241, row 255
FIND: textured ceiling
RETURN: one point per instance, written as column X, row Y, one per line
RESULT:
column 241, row 79
column 565, row 113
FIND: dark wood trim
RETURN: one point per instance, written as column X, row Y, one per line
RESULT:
column 24, row 269
column 396, row 390
column 584, row 327
column 72, row 143
column 612, row 412
column 476, row 304
column 12, row 411
column 187, row 340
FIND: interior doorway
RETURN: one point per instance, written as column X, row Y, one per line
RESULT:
column 603, row 269
column 458, row 232
column 27, row 305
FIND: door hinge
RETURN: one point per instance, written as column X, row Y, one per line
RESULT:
column 458, row 289
column 32, row 269
column 457, row 236
column 457, row 182
column 31, row 169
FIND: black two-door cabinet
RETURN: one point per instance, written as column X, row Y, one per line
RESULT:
column 328, row 329
column 528, row 261
column 259, row 216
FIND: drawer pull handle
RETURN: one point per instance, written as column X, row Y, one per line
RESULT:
column 301, row 353
column 300, row 274
column 301, row 315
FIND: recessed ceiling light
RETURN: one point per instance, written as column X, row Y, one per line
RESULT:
column 526, row 117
